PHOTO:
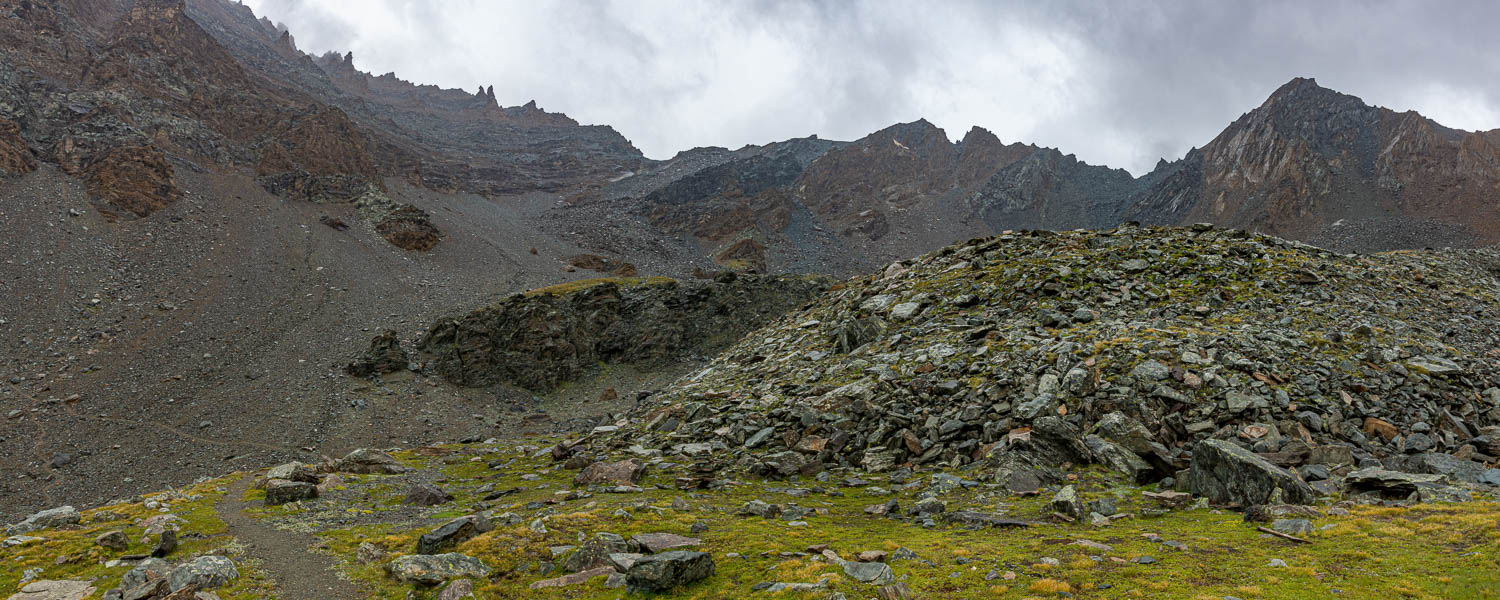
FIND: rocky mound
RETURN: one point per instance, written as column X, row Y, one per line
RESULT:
column 1016, row 355
column 549, row 336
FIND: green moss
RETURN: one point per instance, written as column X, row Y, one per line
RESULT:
column 70, row 552
column 1432, row 551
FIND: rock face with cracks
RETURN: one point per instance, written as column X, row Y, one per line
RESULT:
column 549, row 336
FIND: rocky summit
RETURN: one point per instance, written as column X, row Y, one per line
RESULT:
column 273, row 326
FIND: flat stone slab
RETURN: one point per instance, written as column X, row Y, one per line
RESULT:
column 654, row 543
column 51, row 589
column 573, row 578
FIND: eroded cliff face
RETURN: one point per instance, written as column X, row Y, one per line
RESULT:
column 16, row 157
column 158, row 93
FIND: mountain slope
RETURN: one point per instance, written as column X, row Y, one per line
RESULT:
column 1310, row 157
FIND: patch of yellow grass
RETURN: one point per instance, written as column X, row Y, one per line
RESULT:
column 1050, row 586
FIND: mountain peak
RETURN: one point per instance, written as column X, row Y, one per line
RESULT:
column 1303, row 90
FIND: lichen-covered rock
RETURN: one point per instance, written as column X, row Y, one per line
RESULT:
column 433, row 569
column 203, row 573
column 1226, row 473
column 668, row 570
column 596, row 552
column 52, row 517
column 370, row 461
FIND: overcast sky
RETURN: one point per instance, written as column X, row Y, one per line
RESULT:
column 1117, row 83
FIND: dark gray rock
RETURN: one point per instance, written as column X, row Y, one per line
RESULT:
column 596, row 552
column 114, row 540
column 282, row 491
column 426, row 494
column 1225, row 473
column 667, row 571
column 1437, row 463
column 433, row 569
column 452, row 533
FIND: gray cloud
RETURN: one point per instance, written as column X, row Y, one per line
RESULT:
column 1117, row 83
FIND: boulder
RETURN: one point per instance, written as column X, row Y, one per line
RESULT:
column 1382, row 484
column 114, row 540
column 384, row 355
column 282, row 491
column 165, row 544
column 452, row 533
column 426, row 494
column 625, row 472
column 1437, row 463
column 1119, row 459
column 293, row 471
column 1226, row 473
column 1127, row 432
column 433, row 569
column 667, row 571
column 52, row 517
column 202, row 573
column 873, row 573
column 759, row 508
column 370, row 461
column 596, row 552
column 144, row 571
column 1066, row 503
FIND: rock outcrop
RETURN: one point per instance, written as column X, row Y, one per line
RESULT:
column 545, row 337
